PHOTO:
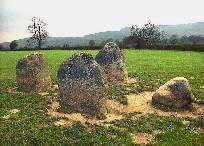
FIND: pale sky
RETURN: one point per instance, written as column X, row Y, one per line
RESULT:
column 81, row 17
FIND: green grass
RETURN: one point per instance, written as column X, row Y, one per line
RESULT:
column 31, row 126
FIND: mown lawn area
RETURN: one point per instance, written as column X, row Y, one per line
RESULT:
column 32, row 126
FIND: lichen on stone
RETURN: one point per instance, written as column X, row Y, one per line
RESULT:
column 111, row 59
column 175, row 95
column 32, row 74
column 82, row 85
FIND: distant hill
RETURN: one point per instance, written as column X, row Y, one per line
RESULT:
column 180, row 30
column 184, row 29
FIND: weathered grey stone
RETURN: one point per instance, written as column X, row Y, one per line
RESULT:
column 111, row 60
column 32, row 74
column 175, row 94
column 82, row 85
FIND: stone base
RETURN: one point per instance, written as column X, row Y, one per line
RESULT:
column 32, row 84
column 84, row 99
column 115, row 74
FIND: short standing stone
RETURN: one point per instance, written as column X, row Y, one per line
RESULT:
column 82, row 85
column 111, row 59
column 32, row 74
column 176, row 93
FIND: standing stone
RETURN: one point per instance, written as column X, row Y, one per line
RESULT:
column 32, row 74
column 82, row 85
column 111, row 60
column 176, row 93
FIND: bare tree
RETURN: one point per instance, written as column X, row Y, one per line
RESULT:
column 37, row 28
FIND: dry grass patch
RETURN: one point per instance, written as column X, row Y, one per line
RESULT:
column 140, row 103
column 143, row 138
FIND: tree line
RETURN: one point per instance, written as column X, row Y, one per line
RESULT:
column 147, row 36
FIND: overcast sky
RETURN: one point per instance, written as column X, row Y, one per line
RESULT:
column 81, row 17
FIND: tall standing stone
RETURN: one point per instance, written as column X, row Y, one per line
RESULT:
column 32, row 74
column 175, row 94
column 111, row 60
column 82, row 85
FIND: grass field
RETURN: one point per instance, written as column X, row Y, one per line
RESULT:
column 31, row 126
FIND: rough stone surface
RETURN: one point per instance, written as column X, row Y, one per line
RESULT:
column 82, row 85
column 111, row 60
column 32, row 74
column 176, row 93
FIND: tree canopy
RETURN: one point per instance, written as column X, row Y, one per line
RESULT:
column 13, row 45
